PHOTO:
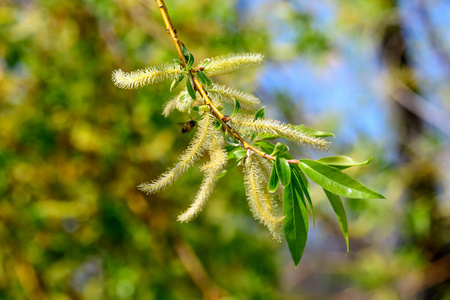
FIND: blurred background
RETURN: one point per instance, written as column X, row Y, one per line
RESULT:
column 73, row 148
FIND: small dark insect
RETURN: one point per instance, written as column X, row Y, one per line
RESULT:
column 188, row 126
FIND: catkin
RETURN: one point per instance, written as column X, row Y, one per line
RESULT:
column 247, row 101
column 232, row 62
column 182, row 104
column 147, row 76
column 270, row 126
column 259, row 199
column 218, row 160
column 192, row 153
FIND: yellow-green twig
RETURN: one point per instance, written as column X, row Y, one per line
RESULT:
column 199, row 87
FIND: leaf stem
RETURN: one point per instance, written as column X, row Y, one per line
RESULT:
column 199, row 87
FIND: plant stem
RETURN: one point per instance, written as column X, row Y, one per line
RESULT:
column 171, row 30
column 199, row 87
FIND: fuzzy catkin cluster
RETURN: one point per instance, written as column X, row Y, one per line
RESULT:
column 209, row 137
column 150, row 75
column 262, row 204
column 192, row 153
column 247, row 123
column 218, row 160
column 231, row 62
column 221, row 92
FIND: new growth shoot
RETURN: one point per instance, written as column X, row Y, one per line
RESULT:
column 271, row 175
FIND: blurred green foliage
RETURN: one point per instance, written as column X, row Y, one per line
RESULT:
column 73, row 148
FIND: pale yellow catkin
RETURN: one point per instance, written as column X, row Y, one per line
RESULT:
column 192, row 153
column 181, row 103
column 218, row 160
column 232, row 62
column 147, row 76
column 246, row 101
column 171, row 105
column 269, row 126
column 259, row 201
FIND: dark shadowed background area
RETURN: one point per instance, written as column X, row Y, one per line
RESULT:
column 73, row 148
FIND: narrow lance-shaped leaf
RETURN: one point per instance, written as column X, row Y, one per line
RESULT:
column 231, row 140
column 283, row 170
column 240, row 155
column 339, row 210
column 189, row 57
column 260, row 114
column 230, row 165
column 204, row 63
column 304, row 184
column 237, row 107
column 262, row 137
column 190, row 89
column 190, row 61
column 185, row 52
column 273, row 180
column 265, row 146
column 230, row 150
column 203, row 78
column 280, row 149
column 342, row 162
column 335, row 181
column 175, row 82
column 312, row 132
column 217, row 125
column 295, row 223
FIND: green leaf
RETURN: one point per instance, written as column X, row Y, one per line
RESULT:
column 237, row 107
column 231, row 139
column 190, row 89
column 295, row 223
column 262, row 137
column 183, row 97
column 204, row 63
column 203, row 78
column 312, row 132
column 190, row 61
column 175, row 82
column 339, row 210
column 303, row 178
column 280, row 149
column 218, row 125
column 273, row 180
column 185, row 52
column 335, row 181
column 305, row 187
column 230, row 150
column 230, row 166
column 189, row 57
column 259, row 114
column 185, row 100
column 240, row 154
column 342, row 162
column 283, row 170
column 222, row 174
column 265, row 146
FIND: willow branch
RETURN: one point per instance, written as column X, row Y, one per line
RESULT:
column 199, row 87
column 171, row 30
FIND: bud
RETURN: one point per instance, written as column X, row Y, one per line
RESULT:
column 226, row 118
